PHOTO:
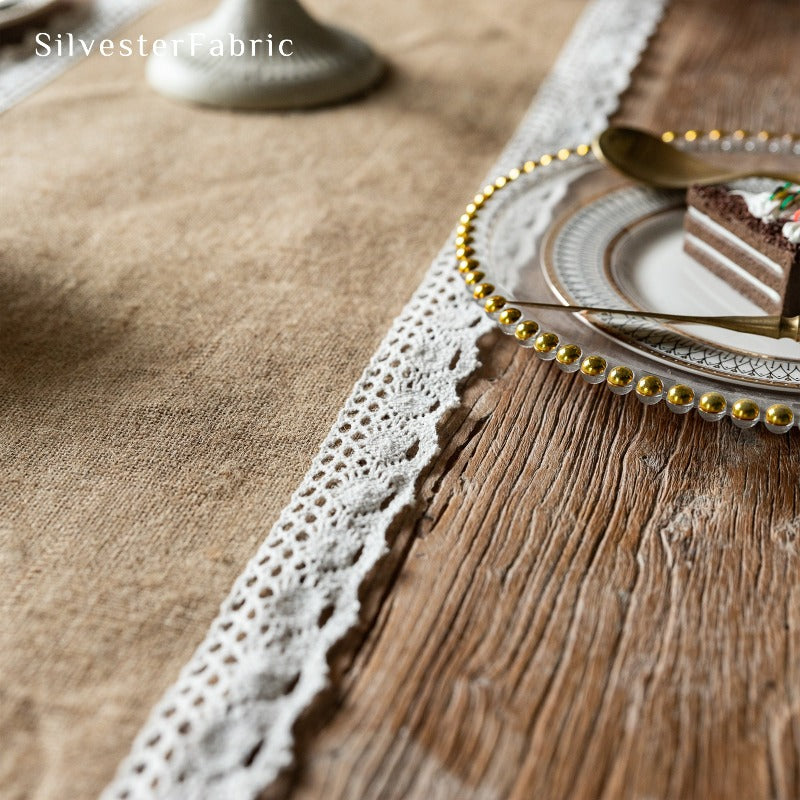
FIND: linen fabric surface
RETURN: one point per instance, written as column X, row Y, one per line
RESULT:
column 188, row 296
column 226, row 727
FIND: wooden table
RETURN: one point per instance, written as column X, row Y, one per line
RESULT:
column 592, row 598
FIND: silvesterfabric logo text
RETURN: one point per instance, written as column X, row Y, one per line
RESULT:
column 70, row 45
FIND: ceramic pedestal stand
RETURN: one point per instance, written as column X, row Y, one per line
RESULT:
column 239, row 58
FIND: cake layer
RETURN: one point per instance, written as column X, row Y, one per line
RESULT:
column 730, row 210
column 748, row 252
column 772, row 276
column 735, row 276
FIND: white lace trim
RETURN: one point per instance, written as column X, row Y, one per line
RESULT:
column 225, row 728
column 22, row 72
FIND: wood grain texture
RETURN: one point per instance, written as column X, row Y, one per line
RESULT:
column 598, row 600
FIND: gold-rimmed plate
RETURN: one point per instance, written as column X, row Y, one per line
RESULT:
column 576, row 233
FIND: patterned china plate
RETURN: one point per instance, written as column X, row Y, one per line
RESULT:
column 625, row 250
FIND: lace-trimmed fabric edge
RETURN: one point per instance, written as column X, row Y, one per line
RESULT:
column 22, row 72
column 224, row 729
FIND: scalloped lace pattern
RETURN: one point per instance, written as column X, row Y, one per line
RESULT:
column 224, row 729
column 22, row 72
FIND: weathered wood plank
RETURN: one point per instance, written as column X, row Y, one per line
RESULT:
column 599, row 600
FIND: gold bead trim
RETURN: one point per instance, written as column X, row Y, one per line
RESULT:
column 620, row 377
column 473, row 278
column 482, row 291
column 494, row 303
column 593, row 365
column 649, row 387
column 680, row 395
column 745, row 409
column 779, row 415
column 526, row 330
column 712, row 403
column 568, row 354
column 510, row 316
column 545, row 342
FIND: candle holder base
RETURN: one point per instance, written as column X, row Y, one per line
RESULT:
column 263, row 55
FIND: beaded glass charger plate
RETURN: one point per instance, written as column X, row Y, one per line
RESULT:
column 612, row 244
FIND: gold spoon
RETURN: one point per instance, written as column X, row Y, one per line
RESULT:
column 774, row 326
column 645, row 158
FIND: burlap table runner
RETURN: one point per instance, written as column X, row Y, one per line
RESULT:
column 187, row 297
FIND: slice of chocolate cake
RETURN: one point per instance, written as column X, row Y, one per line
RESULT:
column 750, row 240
